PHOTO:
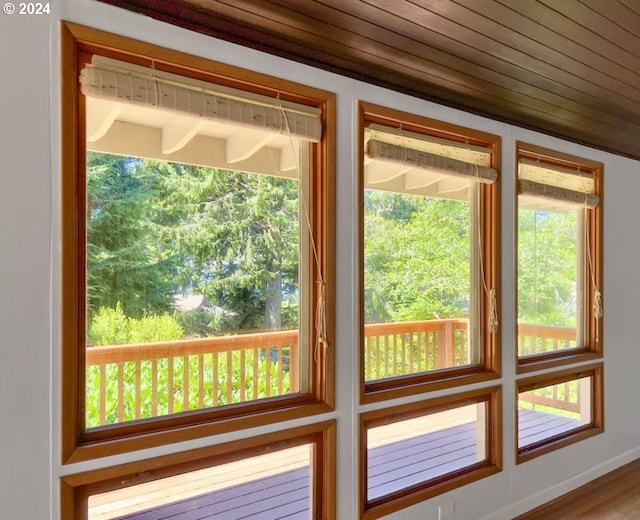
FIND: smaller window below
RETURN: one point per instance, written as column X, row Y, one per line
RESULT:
column 423, row 449
column 271, row 486
column 286, row 474
column 407, row 453
column 558, row 411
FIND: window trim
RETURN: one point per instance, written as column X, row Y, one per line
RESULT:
column 592, row 350
column 490, row 366
column 595, row 427
column 77, row 42
column 76, row 488
column 406, row 497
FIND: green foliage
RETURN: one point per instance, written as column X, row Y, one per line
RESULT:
column 547, row 267
column 417, row 257
column 112, row 327
column 126, row 260
column 221, row 386
column 239, row 241
column 155, row 226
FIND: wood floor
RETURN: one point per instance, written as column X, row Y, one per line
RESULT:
column 614, row 496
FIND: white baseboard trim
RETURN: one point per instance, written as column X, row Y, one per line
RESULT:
column 563, row 487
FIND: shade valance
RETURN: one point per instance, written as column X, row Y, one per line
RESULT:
column 115, row 80
column 563, row 187
column 383, row 151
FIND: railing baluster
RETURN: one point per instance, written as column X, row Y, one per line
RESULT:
column 243, row 376
column 215, row 386
column 370, row 345
column 386, row 355
column 394, row 366
column 267, row 386
column 154, row 387
column 280, row 369
column 138, row 396
column 256, row 361
column 186, row 372
column 412, row 355
column 230, row 377
column 170, row 385
column 201, row 380
column 103, row 394
column 120, row 392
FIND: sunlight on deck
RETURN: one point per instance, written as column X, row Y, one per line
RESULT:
column 157, row 493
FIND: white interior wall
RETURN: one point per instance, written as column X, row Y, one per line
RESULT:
column 30, row 265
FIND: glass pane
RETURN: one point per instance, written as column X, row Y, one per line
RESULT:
column 269, row 487
column 549, row 286
column 406, row 453
column 417, row 284
column 552, row 410
column 193, row 268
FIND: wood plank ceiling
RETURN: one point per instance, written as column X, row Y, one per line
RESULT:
column 569, row 68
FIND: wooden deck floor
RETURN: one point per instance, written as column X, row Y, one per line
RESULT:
column 402, row 464
column 285, row 495
column 278, row 486
column 535, row 426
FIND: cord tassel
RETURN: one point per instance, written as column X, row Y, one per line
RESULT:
column 321, row 322
column 493, row 322
column 597, row 312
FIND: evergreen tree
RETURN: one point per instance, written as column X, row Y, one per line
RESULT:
column 126, row 259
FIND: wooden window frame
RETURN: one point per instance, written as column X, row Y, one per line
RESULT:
column 76, row 488
column 489, row 213
column 78, row 42
column 595, row 427
column 592, row 349
column 382, row 506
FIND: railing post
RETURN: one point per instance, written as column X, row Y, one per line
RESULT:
column 445, row 345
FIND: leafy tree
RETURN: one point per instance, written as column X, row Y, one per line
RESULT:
column 417, row 257
column 547, row 267
column 126, row 260
column 237, row 234
column 155, row 226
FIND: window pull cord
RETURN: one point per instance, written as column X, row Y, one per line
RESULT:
column 493, row 321
column 321, row 304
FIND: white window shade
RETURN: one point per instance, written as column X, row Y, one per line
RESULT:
column 551, row 187
column 126, row 83
column 408, row 162
column 379, row 150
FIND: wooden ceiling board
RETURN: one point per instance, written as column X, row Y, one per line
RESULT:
column 610, row 20
column 569, row 68
column 510, row 74
column 389, row 50
column 589, row 71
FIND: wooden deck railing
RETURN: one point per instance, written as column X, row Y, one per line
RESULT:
column 128, row 382
column 537, row 339
column 394, row 349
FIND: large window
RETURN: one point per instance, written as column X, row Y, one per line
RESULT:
column 559, row 299
column 429, row 249
column 559, row 258
column 197, row 272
